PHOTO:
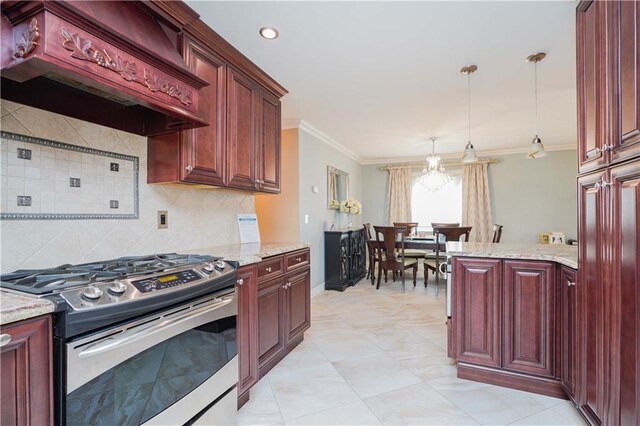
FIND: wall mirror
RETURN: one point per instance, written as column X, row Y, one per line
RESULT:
column 338, row 185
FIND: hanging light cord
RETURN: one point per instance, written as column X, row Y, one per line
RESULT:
column 535, row 85
column 469, row 104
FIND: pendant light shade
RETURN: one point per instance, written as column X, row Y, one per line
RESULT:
column 469, row 155
column 536, row 150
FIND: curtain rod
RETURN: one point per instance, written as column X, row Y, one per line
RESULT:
column 446, row 164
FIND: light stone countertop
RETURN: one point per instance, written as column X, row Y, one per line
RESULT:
column 16, row 307
column 246, row 254
column 563, row 254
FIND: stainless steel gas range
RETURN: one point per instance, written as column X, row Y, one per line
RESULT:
column 141, row 339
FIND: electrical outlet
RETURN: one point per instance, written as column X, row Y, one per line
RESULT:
column 163, row 219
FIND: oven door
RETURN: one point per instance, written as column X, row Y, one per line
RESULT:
column 164, row 369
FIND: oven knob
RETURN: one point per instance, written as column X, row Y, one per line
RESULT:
column 208, row 267
column 91, row 293
column 220, row 265
column 117, row 288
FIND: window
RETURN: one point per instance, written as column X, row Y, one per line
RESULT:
column 444, row 205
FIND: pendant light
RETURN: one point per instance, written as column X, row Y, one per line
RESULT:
column 469, row 155
column 434, row 176
column 536, row 150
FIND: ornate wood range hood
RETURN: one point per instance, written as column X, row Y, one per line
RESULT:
column 115, row 63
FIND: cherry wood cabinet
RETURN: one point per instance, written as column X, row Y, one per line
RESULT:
column 624, row 274
column 197, row 155
column 274, row 298
column 590, row 72
column 570, row 369
column 26, row 391
column 623, row 32
column 529, row 318
column 477, row 294
column 240, row 148
column 247, row 289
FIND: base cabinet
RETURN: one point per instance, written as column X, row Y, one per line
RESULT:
column 569, row 329
column 274, row 298
column 247, row 288
column 505, row 323
column 26, row 391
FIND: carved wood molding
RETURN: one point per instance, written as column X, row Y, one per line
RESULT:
column 84, row 50
column 28, row 40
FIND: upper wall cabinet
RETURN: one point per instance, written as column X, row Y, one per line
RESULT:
column 608, row 46
column 241, row 147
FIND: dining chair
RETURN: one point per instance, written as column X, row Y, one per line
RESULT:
column 417, row 254
column 371, row 252
column 390, row 259
column 450, row 233
column 497, row 233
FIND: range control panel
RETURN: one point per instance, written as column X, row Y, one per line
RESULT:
column 166, row 281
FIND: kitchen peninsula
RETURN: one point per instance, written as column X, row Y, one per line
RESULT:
column 512, row 319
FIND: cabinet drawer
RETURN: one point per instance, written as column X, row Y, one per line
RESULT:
column 270, row 268
column 297, row 260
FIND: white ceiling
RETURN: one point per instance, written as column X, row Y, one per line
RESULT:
column 380, row 78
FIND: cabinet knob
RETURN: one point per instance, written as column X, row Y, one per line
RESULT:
column 5, row 339
column 608, row 147
column 189, row 168
column 240, row 281
column 298, row 259
column 571, row 284
column 268, row 269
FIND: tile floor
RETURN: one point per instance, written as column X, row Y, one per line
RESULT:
column 379, row 357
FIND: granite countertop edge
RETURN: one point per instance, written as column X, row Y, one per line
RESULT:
column 17, row 307
column 562, row 254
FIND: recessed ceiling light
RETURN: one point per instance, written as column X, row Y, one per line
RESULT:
column 269, row 33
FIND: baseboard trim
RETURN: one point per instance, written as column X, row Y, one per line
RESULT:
column 317, row 290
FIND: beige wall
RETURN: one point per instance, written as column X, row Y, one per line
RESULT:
column 197, row 218
column 278, row 215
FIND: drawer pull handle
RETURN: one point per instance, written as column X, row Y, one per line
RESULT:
column 189, row 168
column 268, row 269
column 5, row 339
column 240, row 281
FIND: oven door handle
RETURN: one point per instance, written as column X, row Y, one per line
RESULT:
column 87, row 360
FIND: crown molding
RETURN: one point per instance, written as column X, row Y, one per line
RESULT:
column 458, row 155
column 307, row 127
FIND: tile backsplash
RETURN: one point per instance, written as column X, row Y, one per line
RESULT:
column 45, row 179
column 199, row 218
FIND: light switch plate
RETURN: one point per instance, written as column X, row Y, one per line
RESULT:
column 163, row 219
column 306, row 218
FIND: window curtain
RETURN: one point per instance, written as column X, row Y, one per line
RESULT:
column 476, row 202
column 399, row 195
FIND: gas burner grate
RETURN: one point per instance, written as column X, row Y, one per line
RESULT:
column 44, row 281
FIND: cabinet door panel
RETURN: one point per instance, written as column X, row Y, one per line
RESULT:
column 591, row 106
column 593, row 299
column 477, row 293
column 625, row 274
column 568, row 326
column 271, row 336
column 26, row 396
column 269, row 137
column 247, row 328
column 297, row 298
column 529, row 317
column 241, row 119
column 203, row 148
column 624, row 33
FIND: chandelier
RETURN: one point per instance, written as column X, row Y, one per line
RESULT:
column 434, row 175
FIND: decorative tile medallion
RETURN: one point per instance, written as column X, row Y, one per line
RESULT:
column 62, row 181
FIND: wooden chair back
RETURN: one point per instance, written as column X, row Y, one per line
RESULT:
column 497, row 233
column 411, row 227
column 435, row 225
column 453, row 233
column 386, row 238
column 367, row 231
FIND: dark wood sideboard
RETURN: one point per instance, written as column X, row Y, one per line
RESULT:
column 345, row 255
